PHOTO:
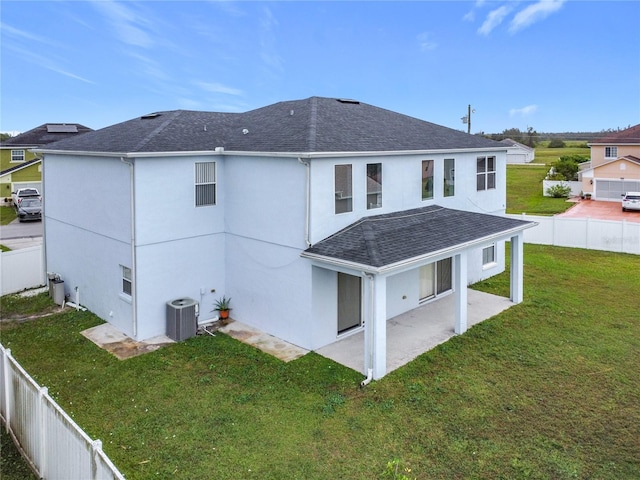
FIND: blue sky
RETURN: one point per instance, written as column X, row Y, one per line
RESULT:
column 552, row 65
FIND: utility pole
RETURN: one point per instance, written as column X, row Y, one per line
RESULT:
column 467, row 118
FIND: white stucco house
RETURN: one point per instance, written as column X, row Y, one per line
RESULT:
column 318, row 217
column 518, row 152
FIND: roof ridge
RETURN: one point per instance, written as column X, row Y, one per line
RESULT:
column 370, row 243
column 173, row 115
column 313, row 118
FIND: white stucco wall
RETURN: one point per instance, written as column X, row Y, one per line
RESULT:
column 402, row 187
column 87, row 231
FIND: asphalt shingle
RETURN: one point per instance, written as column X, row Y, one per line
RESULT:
column 315, row 124
column 387, row 239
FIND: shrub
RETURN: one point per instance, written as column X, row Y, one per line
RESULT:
column 559, row 191
column 556, row 143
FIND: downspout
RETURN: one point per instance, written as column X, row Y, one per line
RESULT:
column 307, row 223
column 134, row 271
column 45, row 273
column 367, row 380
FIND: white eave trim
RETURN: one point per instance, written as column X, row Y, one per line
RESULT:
column 295, row 155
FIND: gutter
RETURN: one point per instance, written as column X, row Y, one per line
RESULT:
column 134, row 270
column 298, row 155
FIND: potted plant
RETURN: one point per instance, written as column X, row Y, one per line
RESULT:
column 223, row 306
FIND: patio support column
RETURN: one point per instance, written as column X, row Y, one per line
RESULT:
column 460, row 292
column 376, row 328
column 517, row 268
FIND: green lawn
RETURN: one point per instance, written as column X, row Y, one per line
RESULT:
column 524, row 182
column 7, row 215
column 549, row 389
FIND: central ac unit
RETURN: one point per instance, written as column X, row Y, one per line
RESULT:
column 182, row 319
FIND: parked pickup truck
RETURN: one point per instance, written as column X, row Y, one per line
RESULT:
column 21, row 193
column 28, row 204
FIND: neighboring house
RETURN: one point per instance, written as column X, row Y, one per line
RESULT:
column 318, row 217
column 614, row 167
column 19, row 166
column 518, row 153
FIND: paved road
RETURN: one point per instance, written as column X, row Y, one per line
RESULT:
column 20, row 235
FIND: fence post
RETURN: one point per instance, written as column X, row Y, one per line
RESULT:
column 588, row 224
column 96, row 446
column 42, row 444
column 7, row 413
column 622, row 234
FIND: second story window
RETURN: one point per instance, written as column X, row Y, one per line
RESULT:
column 610, row 152
column 427, row 179
column 343, row 189
column 17, row 156
column 449, row 177
column 486, row 173
column 374, row 185
column 205, row 183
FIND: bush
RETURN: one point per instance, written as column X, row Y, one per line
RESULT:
column 556, row 143
column 559, row 191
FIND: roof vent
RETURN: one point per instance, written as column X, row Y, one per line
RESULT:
column 61, row 128
column 245, row 131
column 150, row 116
column 348, row 100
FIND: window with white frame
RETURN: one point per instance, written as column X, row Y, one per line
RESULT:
column 17, row 156
column 205, row 183
column 126, row 280
column 449, row 177
column 343, row 188
column 610, row 152
column 486, row 173
column 374, row 185
column 427, row 179
column 489, row 256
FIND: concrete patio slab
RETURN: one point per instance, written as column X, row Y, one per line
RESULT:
column 417, row 331
column 108, row 337
column 277, row 347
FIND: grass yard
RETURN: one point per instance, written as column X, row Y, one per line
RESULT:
column 524, row 182
column 549, row 389
column 7, row 215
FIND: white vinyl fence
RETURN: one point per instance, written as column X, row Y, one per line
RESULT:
column 54, row 445
column 594, row 234
column 20, row 269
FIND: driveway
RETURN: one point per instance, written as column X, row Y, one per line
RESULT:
column 601, row 210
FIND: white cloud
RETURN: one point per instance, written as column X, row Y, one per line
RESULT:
column 494, row 18
column 218, row 88
column 534, row 13
column 524, row 111
column 425, row 41
column 16, row 33
column 129, row 26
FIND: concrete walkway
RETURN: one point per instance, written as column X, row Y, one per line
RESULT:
column 408, row 335
column 417, row 331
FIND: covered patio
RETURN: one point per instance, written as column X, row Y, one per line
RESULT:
column 417, row 331
column 377, row 248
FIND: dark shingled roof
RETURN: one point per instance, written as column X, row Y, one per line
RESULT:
column 385, row 240
column 629, row 135
column 45, row 134
column 315, row 124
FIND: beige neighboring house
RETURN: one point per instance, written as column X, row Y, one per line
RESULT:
column 614, row 167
